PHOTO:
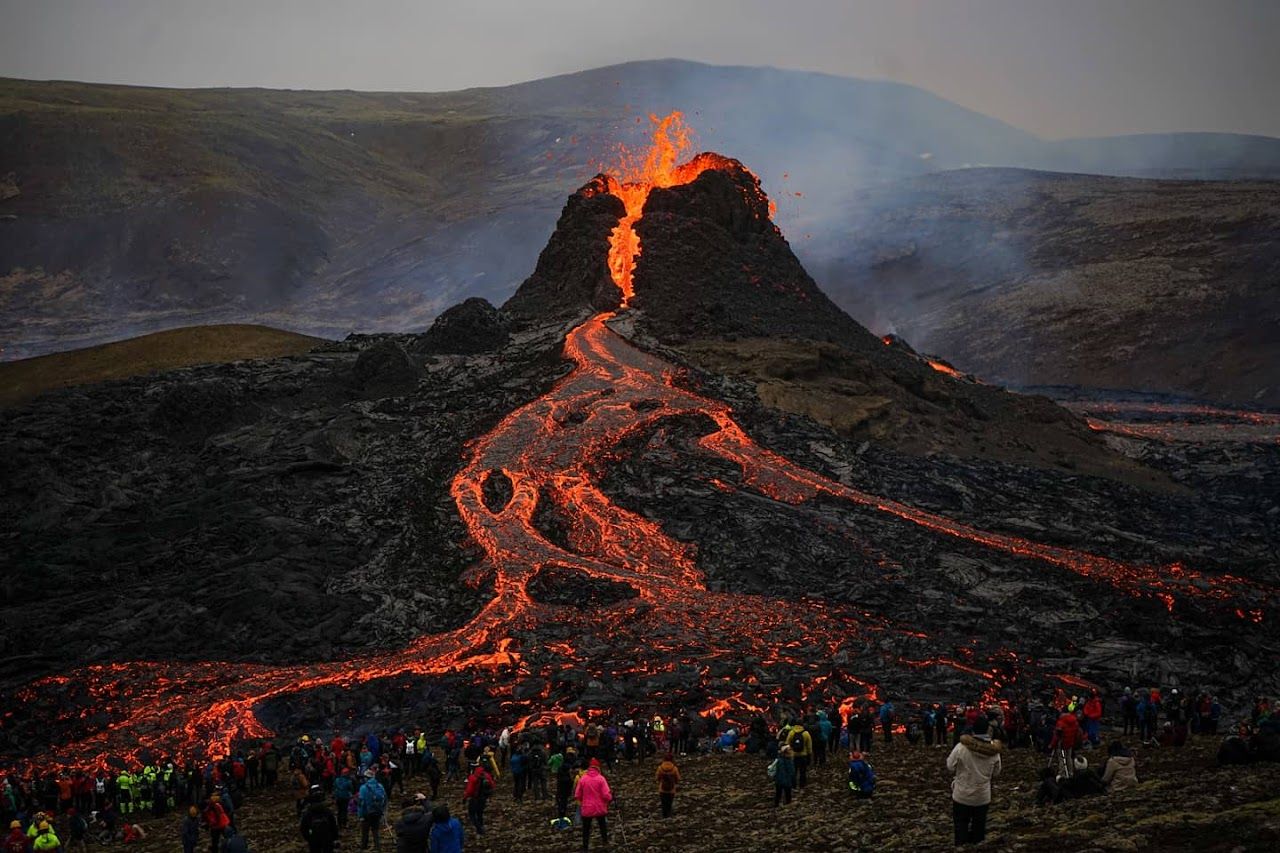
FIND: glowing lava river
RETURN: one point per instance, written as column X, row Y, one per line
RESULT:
column 551, row 453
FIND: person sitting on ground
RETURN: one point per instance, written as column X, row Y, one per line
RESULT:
column 132, row 833
column 446, row 832
column 1084, row 781
column 1049, row 793
column 1120, row 771
column 862, row 779
column 236, row 843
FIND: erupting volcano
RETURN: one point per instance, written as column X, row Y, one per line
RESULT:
column 547, row 460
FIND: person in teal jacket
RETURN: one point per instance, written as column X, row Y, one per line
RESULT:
column 784, row 776
column 343, row 788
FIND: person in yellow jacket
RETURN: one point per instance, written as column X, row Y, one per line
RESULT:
column 45, row 839
column 124, row 791
column 801, row 743
column 489, row 762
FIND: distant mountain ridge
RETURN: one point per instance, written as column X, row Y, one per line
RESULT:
column 126, row 210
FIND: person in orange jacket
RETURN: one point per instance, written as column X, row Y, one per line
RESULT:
column 668, row 776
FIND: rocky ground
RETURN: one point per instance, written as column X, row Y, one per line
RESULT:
column 1184, row 802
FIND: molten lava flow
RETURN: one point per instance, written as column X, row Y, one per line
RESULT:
column 1173, row 422
column 943, row 367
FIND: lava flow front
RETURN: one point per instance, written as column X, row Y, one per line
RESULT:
column 548, row 455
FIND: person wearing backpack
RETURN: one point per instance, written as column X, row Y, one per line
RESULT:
column 668, row 776
column 593, row 794
column 783, row 773
column 319, row 826
column 862, row 779
column 801, row 743
column 476, row 795
column 886, row 721
column 217, row 820
column 371, row 804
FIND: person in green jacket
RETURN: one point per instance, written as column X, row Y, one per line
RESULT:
column 45, row 839
column 124, row 792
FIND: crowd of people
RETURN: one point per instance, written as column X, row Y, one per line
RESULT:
column 343, row 783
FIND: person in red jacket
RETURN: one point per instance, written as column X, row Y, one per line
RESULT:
column 1093, row 717
column 592, row 792
column 16, row 840
column 216, row 819
column 480, row 786
column 1067, row 737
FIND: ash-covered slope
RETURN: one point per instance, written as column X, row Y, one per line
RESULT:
column 1036, row 278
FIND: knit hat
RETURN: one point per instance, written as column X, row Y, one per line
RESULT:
column 855, row 756
column 595, row 762
column 370, row 774
column 15, row 824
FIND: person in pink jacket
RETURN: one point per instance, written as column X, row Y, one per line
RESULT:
column 592, row 792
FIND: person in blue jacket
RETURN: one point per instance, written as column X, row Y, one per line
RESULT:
column 862, row 779
column 446, row 832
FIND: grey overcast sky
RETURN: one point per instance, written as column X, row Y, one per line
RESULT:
column 1053, row 67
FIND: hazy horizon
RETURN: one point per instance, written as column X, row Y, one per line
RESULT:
column 1056, row 69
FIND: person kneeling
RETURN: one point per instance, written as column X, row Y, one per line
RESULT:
column 862, row 779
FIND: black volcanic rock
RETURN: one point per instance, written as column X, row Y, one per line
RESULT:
column 386, row 368
column 573, row 270
column 471, row 326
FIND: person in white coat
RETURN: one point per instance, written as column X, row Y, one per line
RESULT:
column 975, row 761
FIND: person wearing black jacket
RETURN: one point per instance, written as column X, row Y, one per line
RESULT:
column 319, row 825
column 413, row 829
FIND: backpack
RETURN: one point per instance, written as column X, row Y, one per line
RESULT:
column 797, row 742
column 484, row 787
column 772, row 769
column 376, row 802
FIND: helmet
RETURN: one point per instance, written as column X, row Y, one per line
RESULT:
column 15, row 824
column 306, row 738
column 44, row 826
